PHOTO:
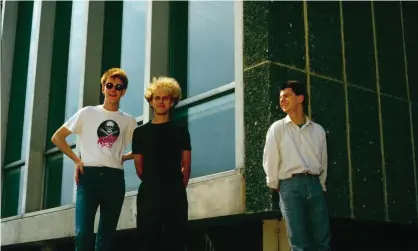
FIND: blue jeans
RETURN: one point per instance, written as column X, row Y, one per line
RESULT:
column 102, row 186
column 303, row 205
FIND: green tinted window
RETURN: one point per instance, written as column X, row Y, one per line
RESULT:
column 11, row 188
column 18, row 85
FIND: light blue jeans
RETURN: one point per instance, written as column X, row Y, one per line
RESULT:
column 303, row 205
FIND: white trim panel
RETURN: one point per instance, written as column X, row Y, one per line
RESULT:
column 239, row 86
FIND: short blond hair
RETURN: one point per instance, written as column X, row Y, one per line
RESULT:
column 170, row 85
column 115, row 73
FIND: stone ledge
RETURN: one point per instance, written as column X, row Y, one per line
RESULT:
column 220, row 196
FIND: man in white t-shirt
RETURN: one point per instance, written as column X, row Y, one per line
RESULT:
column 104, row 133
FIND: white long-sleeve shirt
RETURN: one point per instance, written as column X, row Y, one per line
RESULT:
column 290, row 150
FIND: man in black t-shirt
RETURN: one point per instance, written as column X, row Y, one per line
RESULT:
column 162, row 154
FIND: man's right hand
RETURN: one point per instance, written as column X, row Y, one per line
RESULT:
column 79, row 169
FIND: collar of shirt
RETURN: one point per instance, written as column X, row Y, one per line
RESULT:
column 287, row 120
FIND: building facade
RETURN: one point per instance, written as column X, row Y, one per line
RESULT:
column 357, row 59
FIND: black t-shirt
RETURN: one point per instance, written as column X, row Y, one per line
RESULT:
column 161, row 146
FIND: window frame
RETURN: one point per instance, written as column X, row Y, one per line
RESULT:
column 178, row 68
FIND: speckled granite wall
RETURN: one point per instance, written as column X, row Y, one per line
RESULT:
column 364, row 106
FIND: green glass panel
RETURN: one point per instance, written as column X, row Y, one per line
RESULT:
column 11, row 190
column 53, row 182
column 59, row 180
column 19, row 80
column 59, row 66
column 112, row 33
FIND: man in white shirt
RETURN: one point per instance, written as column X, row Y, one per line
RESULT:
column 295, row 163
column 104, row 133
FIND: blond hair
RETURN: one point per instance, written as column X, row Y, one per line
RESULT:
column 170, row 85
column 115, row 73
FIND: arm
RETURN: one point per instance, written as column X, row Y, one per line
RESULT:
column 323, row 176
column 186, row 159
column 186, row 154
column 127, row 156
column 129, row 137
column 271, row 159
column 137, row 152
column 59, row 141
column 139, row 164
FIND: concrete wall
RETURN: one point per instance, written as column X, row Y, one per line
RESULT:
column 211, row 196
column 359, row 62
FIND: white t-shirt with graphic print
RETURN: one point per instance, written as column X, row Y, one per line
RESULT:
column 103, row 135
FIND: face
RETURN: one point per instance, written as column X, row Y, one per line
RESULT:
column 289, row 101
column 113, row 90
column 161, row 101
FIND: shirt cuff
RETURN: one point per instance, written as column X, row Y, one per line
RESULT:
column 274, row 184
column 324, row 188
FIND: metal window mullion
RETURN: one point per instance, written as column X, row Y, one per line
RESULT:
column 206, row 96
column 18, row 163
column 239, row 86
column 36, row 107
column 56, row 150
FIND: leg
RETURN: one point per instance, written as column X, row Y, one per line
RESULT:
column 292, row 205
column 148, row 222
column 86, row 205
column 318, row 213
column 175, row 224
column 113, row 194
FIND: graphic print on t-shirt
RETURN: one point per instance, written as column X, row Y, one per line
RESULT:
column 108, row 132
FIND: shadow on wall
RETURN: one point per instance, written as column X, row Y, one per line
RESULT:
column 355, row 235
column 348, row 235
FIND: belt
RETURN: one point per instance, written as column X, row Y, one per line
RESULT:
column 304, row 174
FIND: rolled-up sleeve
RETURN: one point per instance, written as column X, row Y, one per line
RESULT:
column 271, row 158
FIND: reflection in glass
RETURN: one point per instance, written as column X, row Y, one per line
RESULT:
column 212, row 132
column 211, row 45
column 59, row 180
column 67, row 181
column 76, row 61
column 133, row 54
column 11, row 192
column 53, row 176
